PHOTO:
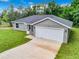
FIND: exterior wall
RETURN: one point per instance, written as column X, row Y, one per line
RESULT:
column 22, row 26
column 66, row 35
column 49, row 23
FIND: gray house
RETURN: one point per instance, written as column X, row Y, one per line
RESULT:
column 47, row 27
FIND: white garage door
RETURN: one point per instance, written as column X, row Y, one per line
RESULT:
column 50, row 33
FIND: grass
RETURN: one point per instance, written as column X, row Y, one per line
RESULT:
column 5, row 25
column 70, row 50
column 11, row 38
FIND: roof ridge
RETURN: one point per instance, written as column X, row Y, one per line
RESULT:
column 35, row 18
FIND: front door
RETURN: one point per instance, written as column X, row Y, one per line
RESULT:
column 31, row 29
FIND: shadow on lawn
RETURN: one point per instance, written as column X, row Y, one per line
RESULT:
column 71, row 36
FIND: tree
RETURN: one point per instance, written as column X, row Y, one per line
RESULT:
column 66, row 13
column 75, row 12
column 76, row 17
column 53, row 8
column 0, row 20
column 5, row 17
column 11, row 9
column 75, row 3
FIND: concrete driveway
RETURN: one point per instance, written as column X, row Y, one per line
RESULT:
column 35, row 49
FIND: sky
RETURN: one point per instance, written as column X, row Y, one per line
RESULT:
column 4, row 4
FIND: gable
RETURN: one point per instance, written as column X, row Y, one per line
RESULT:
column 49, row 23
column 65, row 23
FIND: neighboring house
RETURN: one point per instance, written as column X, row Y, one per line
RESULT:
column 45, row 27
column 40, row 8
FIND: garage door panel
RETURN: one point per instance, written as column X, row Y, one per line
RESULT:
column 50, row 33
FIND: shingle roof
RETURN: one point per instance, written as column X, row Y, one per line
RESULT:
column 35, row 18
column 31, row 19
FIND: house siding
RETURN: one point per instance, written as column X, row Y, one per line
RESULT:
column 49, row 23
column 22, row 26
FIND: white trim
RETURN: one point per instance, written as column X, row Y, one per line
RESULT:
column 39, row 21
column 17, row 22
column 49, row 27
column 52, row 20
column 60, row 23
column 21, row 23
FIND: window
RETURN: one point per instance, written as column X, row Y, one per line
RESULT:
column 17, row 25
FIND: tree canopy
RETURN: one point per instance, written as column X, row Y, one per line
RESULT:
column 67, row 12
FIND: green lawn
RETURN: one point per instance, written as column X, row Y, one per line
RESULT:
column 11, row 38
column 70, row 50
